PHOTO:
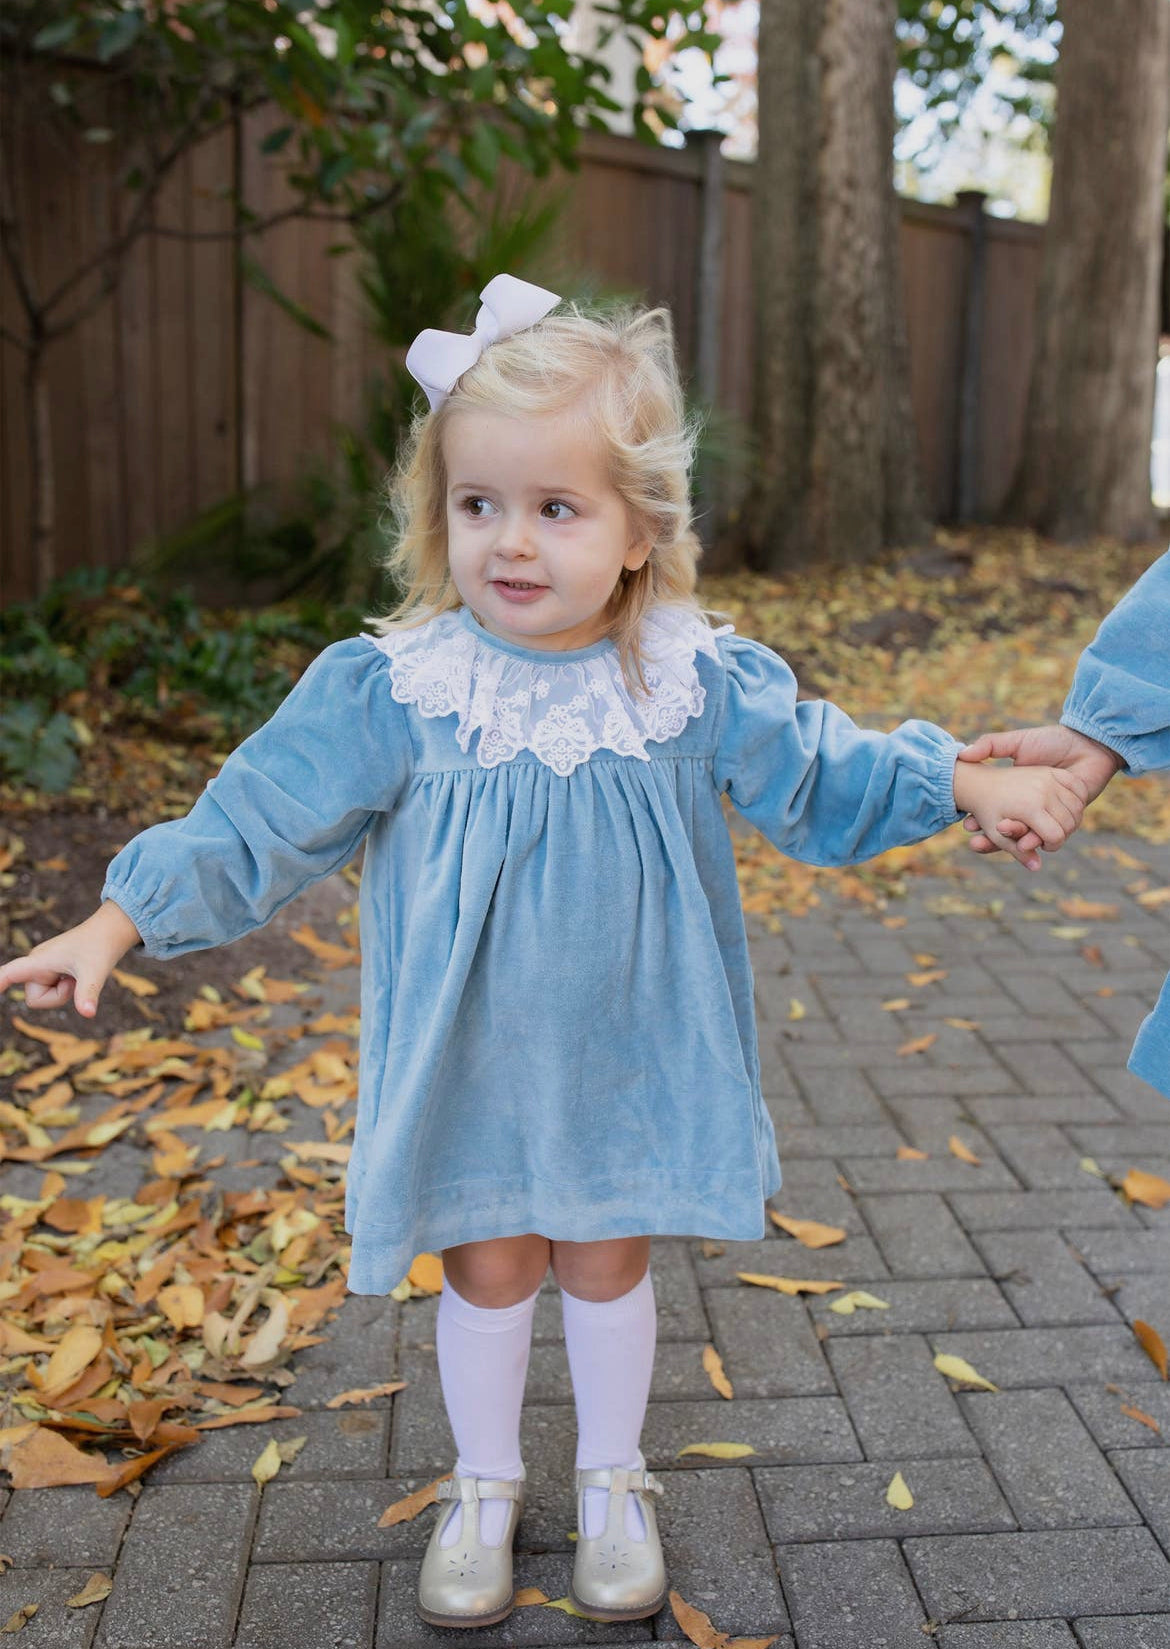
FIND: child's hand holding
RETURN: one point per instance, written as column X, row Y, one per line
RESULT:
column 73, row 965
column 1041, row 806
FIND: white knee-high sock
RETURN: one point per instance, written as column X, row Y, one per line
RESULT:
column 483, row 1364
column 610, row 1346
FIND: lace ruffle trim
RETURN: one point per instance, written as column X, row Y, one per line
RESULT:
column 562, row 712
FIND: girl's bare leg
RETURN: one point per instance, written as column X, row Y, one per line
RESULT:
column 499, row 1272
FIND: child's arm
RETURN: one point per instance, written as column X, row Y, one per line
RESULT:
column 817, row 786
column 289, row 806
column 1042, row 800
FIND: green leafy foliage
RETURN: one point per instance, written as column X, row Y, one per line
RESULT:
column 101, row 647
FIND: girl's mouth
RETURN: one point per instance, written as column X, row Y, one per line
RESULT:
column 517, row 589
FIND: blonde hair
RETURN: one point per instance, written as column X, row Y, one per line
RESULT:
column 621, row 368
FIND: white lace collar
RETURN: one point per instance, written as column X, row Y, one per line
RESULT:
column 561, row 706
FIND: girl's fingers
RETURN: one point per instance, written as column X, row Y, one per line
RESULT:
column 37, row 995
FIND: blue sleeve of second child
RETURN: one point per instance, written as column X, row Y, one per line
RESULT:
column 291, row 804
column 1120, row 694
column 817, row 786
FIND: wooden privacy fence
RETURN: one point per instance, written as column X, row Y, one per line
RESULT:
column 187, row 384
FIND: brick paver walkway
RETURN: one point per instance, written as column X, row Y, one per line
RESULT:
column 1041, row 1516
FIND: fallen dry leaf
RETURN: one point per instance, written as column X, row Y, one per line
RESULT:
column 1152, row 1344
column 957, row 1368
column 898, row 1494
column 809, row 1232
column 365, row 1394
column 930, row 977
column 787, row 1285
column 1140, row 1414
column 718, row 1451
column 856, row 1299
column 698, row 1628
column 1087, row 910
column 404, row 1511
column 135, row 983
column 896, row 1004
column 97, row 1587
column 909, row 1153
column 796, row 1010
column 713, row 1364
column 1150, row 1189
column 963, row 1152
column 918, row 1044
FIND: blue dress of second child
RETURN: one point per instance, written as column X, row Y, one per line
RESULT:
column 557, row 1026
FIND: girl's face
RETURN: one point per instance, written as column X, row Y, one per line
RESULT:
column 529, row 502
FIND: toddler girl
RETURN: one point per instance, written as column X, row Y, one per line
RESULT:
column 558, row 1054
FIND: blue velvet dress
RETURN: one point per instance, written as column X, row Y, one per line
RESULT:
column 1120, row 696
column 557, row 1001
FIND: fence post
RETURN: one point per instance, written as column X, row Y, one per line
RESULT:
column 971, row 203
column 708, row 308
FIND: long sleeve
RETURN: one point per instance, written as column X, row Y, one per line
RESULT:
column 289, row 806
column 817, row 786
column 1120, row 694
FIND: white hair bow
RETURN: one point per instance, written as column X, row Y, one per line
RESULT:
column 437, row 359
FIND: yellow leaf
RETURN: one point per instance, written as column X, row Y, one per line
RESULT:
column 528, row 1595
column 1090, row 1167
column 786, row 1285
column 957, row 1368
column 426, row 1272
column 810, row 1232
column 858, row 1298
column 182, row 1304
column 896, row 1004
column 1150, row 1189
column 18, row 1621
column 918, row 1044
column 796, row 1010
column 1155, row 897
column 1069, row 933
column 135, row 983
column 77, row 1349
column 713, row 1364
column 564, row 1604
column 963, row 1152
column 1152, row 1344
column 718, row 1451
column 247, row 1039
column 925, row 959
column 930, row 977
column 97, row 1587
column 898, row 1495
column 908, row 1153
column 963, row 1024
column 267, row 1464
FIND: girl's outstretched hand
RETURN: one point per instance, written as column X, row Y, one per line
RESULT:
column 1042, row 806
column 73, row 966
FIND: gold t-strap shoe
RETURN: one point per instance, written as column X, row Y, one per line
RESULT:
column 614, row 1576
column 468, row 1583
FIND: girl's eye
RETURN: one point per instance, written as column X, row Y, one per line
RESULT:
column 559, row 504
column 469, row 504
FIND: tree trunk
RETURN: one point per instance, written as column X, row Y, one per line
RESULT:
column 838, row 474
column 42, row 483
column 1085, row 464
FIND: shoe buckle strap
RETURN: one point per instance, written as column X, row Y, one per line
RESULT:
column 617, row 1479
column 478, row 1488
